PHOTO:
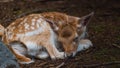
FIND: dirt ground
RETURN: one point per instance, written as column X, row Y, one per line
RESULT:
column 103, row 29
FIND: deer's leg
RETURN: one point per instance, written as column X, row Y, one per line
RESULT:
column 53, row 51
column 19, row 51
column 36, row 50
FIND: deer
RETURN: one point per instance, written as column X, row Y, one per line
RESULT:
column 38, row 34
column 70, row 31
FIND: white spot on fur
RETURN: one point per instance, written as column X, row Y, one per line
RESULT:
column 34, row 32
column 39, row 20
column 37, row 25
column 32, row 27
column 13, row 27
column 27, row 27
column 56, row 28
column 33, row 20
column 33, row 23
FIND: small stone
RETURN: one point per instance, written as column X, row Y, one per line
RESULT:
column 7, row 59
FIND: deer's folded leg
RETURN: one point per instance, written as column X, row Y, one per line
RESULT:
column 54, row 53
column 19, row 51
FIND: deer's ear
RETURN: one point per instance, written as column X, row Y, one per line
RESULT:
column 85, row 19
column 53, row 25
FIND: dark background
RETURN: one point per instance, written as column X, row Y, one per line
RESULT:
column 103, row 29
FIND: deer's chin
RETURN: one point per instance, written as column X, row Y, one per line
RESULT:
column 71, row 54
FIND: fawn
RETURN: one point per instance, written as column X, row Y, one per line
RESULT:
column 37, row 35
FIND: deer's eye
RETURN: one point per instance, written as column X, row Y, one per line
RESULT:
column 76, row 39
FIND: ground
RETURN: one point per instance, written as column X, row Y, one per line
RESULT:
column 103, row 29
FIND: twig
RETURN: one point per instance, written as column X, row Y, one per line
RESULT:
column 102, row 64
column 60, row 65
column 92, row 65
column 116, row 45
column 42, row 64
column 63, row 63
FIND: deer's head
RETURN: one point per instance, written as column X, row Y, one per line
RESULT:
column 71, row 32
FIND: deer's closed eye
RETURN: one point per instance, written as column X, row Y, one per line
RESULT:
column 76, row 39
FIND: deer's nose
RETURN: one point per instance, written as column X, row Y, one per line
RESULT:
column 69, row 54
